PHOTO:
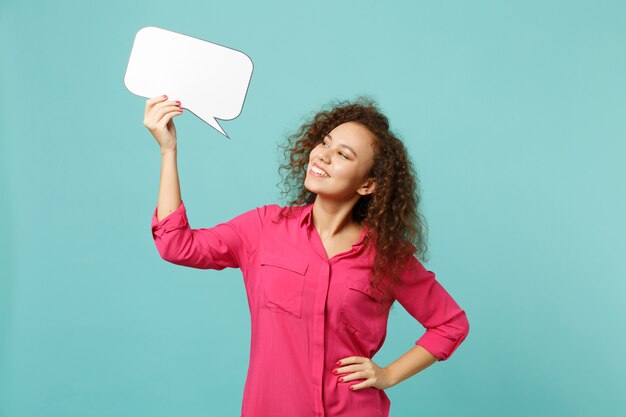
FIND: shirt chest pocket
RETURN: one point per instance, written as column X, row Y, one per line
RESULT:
column 282, row 282
column 361, row 311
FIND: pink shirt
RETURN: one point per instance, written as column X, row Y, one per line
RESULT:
column 308, row 311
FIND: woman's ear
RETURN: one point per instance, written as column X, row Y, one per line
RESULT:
column 367, row 187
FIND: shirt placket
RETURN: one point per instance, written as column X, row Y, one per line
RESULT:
column 319, row 331
column 319, row 314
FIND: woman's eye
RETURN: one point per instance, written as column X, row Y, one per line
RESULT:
column 340, row 153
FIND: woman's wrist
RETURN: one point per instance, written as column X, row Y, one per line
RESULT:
column 167, row 151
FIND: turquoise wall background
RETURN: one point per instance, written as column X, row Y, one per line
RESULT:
column 514, row 116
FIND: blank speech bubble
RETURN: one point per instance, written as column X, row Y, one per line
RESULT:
column 210, row 80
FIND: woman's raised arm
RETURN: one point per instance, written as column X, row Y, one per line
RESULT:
column 227, row 244
column 158, row 118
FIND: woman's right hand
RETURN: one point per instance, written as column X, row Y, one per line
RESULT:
column 158, row 119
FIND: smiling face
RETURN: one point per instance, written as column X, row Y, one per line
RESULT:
column 346, row 154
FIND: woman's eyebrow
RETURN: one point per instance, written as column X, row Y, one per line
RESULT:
column 341, row 144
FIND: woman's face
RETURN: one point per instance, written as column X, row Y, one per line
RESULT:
column 346, row 155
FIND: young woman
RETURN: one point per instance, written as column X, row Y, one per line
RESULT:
column 321, row 273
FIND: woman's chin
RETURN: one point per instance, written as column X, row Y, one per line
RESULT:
column 313, row 188
column 310, row 188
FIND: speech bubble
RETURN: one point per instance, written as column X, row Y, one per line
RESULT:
column 208, row 79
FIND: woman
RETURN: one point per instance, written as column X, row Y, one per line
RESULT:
column 322, row 273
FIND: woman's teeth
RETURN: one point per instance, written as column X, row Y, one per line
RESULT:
column 319, row 172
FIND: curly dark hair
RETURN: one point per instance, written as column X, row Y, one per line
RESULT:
column 391, row 211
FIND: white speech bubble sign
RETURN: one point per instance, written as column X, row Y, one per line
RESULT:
column 208, row 79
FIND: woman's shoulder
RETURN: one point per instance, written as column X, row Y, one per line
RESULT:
column 278, row 211
column 280, row 207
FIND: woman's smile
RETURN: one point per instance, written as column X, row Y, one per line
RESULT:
column 318, row 172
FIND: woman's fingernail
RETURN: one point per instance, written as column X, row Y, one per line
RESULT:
column 177, row 102
column 164, row 96
column 335, row 371
column 338, row 363
column 341, row 379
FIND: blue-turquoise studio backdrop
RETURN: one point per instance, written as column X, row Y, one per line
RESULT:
column 514, row 114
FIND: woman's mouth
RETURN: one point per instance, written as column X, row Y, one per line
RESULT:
column 318, row 172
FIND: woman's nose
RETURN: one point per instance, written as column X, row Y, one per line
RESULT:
column 323, row 155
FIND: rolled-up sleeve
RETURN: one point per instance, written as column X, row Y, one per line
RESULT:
column 225, row 245
column 428, row 302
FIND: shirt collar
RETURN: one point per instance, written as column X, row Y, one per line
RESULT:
column 305, row 216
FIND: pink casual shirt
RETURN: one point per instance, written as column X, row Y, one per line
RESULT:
column 308, row 311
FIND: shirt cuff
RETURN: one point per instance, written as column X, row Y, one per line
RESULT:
column 440, row 346
column 175, row 220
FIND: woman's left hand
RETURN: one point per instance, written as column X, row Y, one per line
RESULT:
column 359, row 367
